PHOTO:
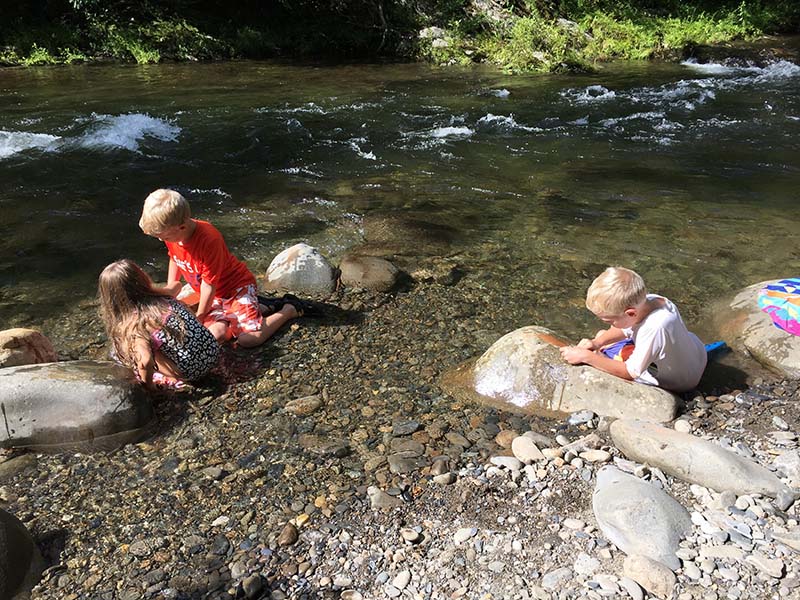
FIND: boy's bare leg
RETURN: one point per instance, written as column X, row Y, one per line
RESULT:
column 269, row 325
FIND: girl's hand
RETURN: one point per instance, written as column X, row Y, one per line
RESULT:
column 588, row 344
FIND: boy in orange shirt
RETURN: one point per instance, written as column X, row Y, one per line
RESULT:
column 228, row 305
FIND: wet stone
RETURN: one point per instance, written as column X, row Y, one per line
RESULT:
column 401, row 428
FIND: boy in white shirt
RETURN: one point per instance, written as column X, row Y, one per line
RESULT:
column 664, row 354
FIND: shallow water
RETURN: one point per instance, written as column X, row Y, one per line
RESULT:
column 686, row 173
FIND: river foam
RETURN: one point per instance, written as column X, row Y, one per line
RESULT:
column 14, row 142
column 93, row 132
column 126, row 131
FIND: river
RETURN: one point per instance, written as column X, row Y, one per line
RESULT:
column 687, row 173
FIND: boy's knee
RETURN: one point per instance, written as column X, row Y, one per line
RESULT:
column 252, row 339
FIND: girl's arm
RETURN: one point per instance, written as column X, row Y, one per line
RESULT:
column 145, row 361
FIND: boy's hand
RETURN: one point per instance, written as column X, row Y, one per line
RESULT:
column 575, row 355
column 588, row 344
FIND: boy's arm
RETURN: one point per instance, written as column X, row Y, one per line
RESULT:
column 576, row 356
column 173, row 286
column 207, row 292
column 609, row 336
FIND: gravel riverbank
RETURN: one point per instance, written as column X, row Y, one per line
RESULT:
column 329, row 463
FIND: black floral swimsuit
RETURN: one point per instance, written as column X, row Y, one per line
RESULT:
column 197, row 354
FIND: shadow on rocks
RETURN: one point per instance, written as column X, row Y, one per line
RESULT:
column 731, row 373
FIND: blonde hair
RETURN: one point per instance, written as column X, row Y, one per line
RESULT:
column 163, row 209
column 131, row 308
column 615, row 290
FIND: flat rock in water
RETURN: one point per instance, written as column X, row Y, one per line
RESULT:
column 639, row 517
column 524, row 372
column 403, row 235
column 745, row 327
column 369, row 272
column 74, row 405
column 301, row 268
column 25, row 347
column 20, row 561
column 694, row 459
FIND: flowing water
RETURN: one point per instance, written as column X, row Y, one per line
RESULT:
column 687, row 173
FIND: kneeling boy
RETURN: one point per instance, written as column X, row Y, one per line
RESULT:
column 665, row 353
column 228, row 305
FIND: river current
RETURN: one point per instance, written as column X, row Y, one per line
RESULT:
column 687, row 173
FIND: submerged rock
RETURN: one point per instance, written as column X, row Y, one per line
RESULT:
column 745, row 327
column 301, row 268
column 24, row 347
column 401, row 235
column 20, row 561
column 524, row 371
column 369, row 272
column 639, row 517
column 72, row 405
column 694, row 459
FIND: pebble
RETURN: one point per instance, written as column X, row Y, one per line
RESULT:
column 771, row 566
column 302, row 407
column 683, row 426
column 780, row 423
column 634, row 589
column 508, row 462
column 505, row 438
column 579, row 418
column 574, row 524
column 692, row 571
column 463, row 534
column 444, row 479
column 402, row 579
column 556, row 578
column 410, row 535
column 288, row 536
column 595, row 456
column 526, row 450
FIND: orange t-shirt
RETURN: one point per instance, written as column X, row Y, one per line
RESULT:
column 205, row 257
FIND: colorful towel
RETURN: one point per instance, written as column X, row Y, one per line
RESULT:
column 619, row 350
column 781, row 301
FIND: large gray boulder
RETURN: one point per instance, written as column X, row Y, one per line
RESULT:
column 745, row 327
column 694, row 459
column 80, row 405
column 301, row 268
column 20, row 346
column 20, row 561
column 638, row 517
column 523, row 371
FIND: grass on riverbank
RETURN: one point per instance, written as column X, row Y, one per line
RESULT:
column 518, row 36
column 532, row 42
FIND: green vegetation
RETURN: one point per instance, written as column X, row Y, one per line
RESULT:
column 518, row 35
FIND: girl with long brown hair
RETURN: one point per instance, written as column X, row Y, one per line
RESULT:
column 152, row 333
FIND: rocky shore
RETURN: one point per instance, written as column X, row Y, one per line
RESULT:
column 330, row 463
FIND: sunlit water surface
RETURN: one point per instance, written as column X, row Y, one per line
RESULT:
column 687, row 173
